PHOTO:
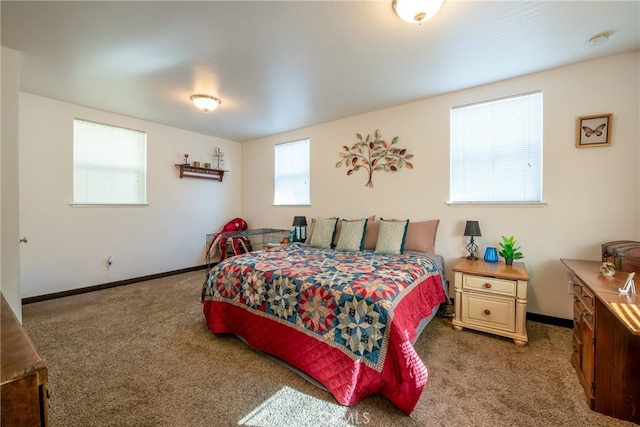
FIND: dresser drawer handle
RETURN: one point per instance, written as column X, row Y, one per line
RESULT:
column 487, row 312
column 487, row 285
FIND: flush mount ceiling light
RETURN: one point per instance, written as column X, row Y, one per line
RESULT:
column 205, row 102
column 599, row 39
column 416, row 11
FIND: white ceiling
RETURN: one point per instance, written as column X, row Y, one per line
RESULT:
column 282, row 65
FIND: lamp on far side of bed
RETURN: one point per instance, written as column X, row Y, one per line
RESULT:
column 300, row 224
column 472, row 229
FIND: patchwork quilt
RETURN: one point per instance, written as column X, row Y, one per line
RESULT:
column 347, row 319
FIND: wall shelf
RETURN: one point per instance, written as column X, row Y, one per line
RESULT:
column 197, row 172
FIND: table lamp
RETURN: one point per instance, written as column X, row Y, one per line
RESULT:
column 300, row 224
column 472, row 229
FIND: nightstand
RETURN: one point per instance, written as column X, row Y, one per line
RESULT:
column 491, row 297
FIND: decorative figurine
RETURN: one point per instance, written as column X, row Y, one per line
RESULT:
column 608, row 269
column 218, row 156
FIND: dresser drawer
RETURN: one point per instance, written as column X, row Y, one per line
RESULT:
column 577, row 315
column 582, row 312
column 584, row 293
column 577, row 287
column 589, row 298
column 489, row 285
column 493, row 312
column 587, row 317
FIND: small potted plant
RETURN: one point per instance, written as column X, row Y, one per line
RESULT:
column 509, row 251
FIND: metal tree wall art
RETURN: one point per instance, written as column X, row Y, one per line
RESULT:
column 374, row 154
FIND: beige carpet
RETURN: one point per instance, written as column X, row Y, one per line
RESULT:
column 140, row 355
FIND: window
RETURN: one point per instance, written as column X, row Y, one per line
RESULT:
column 109, row 164
column 496, row 151
column 291, row 177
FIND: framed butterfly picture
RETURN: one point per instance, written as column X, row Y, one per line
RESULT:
column 594, row 131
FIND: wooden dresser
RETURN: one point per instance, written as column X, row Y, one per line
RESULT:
column 24, row 375
column 606, row 341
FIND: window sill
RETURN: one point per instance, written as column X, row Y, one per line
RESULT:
column 108, row 205
column 498, row 204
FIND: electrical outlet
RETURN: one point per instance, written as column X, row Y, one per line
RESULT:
column 570, row 289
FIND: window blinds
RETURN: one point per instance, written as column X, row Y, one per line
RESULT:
column 109, row 164
column 292, row 170
column 496, row 150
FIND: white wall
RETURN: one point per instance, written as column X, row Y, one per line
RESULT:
column 9, row 229
column 68, row 246
column 592, row 194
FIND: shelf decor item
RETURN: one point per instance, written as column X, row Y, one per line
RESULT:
column 374, row 154
column 491, row 254
column 509, row 251
column 471, row 229
column 186, row 159
column 218, row 157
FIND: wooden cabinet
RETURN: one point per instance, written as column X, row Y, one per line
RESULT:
column 24, row 376
column 491, row 297
column 606, row 341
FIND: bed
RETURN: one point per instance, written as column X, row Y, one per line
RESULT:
column 346, row 318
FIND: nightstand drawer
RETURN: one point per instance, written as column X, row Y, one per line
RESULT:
column 489, row 285
column 493, row 312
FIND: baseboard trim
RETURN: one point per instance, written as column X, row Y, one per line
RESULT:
column 86, row 289
column 550, row 320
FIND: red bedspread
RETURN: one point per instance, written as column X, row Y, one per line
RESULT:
column 345, row 318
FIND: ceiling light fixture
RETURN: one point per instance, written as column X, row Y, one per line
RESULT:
column 205, row 102
column 599, row 39
column 416, row 11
